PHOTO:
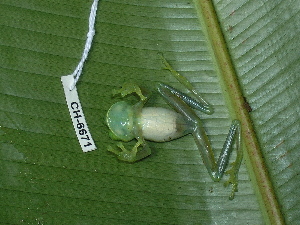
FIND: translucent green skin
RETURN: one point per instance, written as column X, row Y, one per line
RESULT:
column 124, row 122
column 128, row 122
column 120, row 119
column 157, row 124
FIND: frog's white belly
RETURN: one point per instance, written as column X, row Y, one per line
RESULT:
column 160, row 124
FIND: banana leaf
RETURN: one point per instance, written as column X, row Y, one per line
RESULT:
column 45, row 178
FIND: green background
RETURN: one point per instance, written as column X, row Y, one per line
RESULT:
column 45, row 178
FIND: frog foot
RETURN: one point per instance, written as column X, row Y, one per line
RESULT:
column 133, row 155
column 233, row 180
column 129, row 88
column 124, row 154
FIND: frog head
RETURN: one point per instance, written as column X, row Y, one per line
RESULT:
column 120, row 119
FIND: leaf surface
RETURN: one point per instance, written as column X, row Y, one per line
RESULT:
column 46, row 178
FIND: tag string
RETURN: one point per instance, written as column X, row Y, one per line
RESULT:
column 90, row 35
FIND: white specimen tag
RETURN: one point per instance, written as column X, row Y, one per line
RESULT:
column 81, row 128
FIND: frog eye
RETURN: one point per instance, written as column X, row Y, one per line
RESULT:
column 119, row 119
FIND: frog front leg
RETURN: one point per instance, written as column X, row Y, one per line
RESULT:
column 132, row 155
column 129, row 88
column 122, row 120
column 215, row 169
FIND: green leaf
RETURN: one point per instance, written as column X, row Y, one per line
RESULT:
column 44, row 175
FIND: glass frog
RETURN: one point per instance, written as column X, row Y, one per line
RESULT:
column 157, row 124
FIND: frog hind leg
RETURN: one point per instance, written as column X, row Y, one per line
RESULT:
column 195, row 104
column 215, row 169
column 234, row 133
column 204, row 106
